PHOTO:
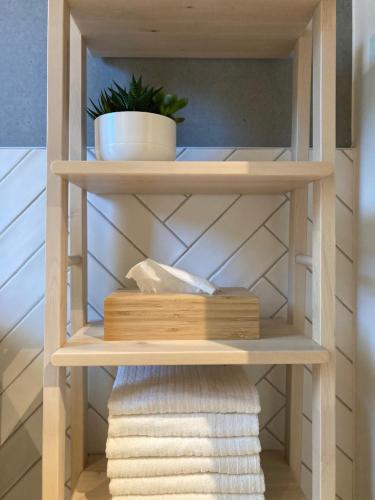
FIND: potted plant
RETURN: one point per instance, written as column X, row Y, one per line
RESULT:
column 137, row 123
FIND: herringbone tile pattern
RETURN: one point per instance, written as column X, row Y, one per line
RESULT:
column 232, row 240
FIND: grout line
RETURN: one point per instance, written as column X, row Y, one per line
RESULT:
column 21, row 266
column 344, row 453
column 180, row 153
column 268, row 270
column 308, row 320
column 265, row 374
column 306, row 466
column 281, row 154
column 345, row 204
column 160, row 220
column 206, row 230
column 308, row 369
column 275, row 437
column 117, row 229
column 337, row 297
column 21, row 423
column 344, row 355
column 227, row 158
column 21, row 372
column 344, row 305
column 105, row 269
column 343, row 151
column 23, row 474
column 25, row 208
column 266, row 278
column 28, row 153
column 32, row 308
column 276, row 288
column 91, row 407
column 345, row 254
column 276, row 237
column 273, row 417
column 227, row 259
column 307, row 417
column 279, row 309
column 275, row 387
column 95, row 309
column 181, row 204
column 344, row 404
column 107, row 372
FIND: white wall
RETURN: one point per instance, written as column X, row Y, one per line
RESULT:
column 364, row 136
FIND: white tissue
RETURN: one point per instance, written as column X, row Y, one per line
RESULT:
column 153, row 277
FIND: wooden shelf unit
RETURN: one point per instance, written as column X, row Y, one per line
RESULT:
column 194, row 28
column 279, row 344
column 191, row 177
column 198, row 28
column 281, row 485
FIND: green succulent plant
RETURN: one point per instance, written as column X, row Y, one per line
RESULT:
column 137, row 97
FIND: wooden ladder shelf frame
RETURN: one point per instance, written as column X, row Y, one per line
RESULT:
column 66, row 140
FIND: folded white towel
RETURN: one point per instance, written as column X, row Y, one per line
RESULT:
column 144, row 467
column 188, row 483
column 193, row 424
column 182, row 389
column 194, row 496
column 132, row 447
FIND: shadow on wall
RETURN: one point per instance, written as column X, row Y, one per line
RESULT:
column 231, row 102
column 366, row 275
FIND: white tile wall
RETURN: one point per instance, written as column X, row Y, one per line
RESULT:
column 235, row 240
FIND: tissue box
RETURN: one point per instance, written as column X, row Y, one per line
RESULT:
column 231, row 313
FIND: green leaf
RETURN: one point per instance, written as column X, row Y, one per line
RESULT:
column 137, row 97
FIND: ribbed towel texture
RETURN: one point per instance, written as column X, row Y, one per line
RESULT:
column 182, row 425
column 188, row 483
column 182, row 433
column 143, row 390
column 133, row 446
column 171, row 466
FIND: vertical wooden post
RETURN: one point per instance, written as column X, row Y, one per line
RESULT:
column 56, row 252
column 78, row 243
column 297, row 243
column 323, row 252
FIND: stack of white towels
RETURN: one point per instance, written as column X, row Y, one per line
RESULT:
column 187, row 432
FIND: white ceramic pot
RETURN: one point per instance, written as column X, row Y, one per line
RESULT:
column 134, row 135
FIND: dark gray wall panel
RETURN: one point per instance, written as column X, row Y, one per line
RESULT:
column 232, row 102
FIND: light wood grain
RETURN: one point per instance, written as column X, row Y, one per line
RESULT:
column 261, row 28
column 279, row 344
column 297, row 243
column 280, row 485
column 232, row 313
column 199, row 29
column 74, row 260
column 191, row 176
column 56, row 252
column 93, row 483
column 78, row 249
column 323, row 253
column 304, row 260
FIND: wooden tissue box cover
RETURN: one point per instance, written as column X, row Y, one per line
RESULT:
column 231, row 313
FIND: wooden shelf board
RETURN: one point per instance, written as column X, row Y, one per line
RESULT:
column 279, row 344
column 191, row 177
column 280, row 485
column 196, row 29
